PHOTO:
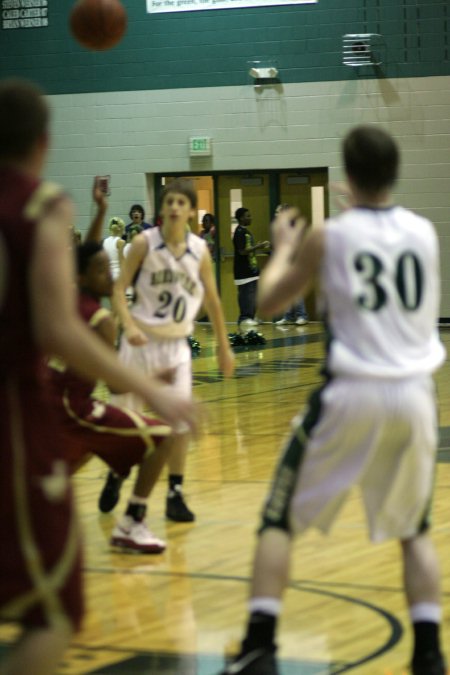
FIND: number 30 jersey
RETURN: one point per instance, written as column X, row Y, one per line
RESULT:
column 381, row 292
column 169, row 291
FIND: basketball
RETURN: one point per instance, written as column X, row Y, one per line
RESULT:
column 98, row 24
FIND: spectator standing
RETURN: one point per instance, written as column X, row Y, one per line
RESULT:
column 114, row 245
column 208, row 233
column 245, row 267
column 137, row 215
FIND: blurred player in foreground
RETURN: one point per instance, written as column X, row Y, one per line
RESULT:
column 40, row 561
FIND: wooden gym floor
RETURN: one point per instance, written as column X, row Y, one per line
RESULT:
column 178, row 613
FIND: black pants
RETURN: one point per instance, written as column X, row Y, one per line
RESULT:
column 247, row 300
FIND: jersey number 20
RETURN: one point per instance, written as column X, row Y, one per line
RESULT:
column 176, row 307
column 408, row 279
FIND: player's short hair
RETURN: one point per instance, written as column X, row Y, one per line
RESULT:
column 24, row 118
column 181, row 186
column 371, row 158
column 239, row 213
column 84, row 253
column 137, row 207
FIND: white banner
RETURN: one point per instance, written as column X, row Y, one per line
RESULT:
column 160, row 6
column 24, row 14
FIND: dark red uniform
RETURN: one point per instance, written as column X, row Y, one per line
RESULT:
column 40, row 578
column 120, row 437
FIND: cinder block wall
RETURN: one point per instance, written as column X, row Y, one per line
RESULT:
column 130, row 111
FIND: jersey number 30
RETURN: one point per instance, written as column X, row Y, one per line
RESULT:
column 408, row 281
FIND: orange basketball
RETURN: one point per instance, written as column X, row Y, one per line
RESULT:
column 98, row 24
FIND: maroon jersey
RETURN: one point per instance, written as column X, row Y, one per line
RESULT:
column 22, row 201
column 64, row 378
column 120, row 437
column 35, row 496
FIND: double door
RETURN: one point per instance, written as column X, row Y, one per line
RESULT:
column 260, row 192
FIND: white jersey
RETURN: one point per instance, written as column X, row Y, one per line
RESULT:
column 110, row 246
column 169, row 291
column 381, row 291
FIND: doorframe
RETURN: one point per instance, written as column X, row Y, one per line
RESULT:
column 274, row 190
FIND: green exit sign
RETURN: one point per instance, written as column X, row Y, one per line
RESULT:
column 200, row 146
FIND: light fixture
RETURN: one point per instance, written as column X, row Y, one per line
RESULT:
column 263, row 73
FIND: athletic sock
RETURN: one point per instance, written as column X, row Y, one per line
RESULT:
column 136, row 509
column 175, row 481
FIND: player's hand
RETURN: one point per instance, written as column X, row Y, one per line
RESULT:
column 98, row 195
column 226, row 360
column 135, row 336
column 173, row 409
column 287, row 229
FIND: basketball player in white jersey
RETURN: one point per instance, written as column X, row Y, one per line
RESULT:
column 175, row 276
column 373, row 422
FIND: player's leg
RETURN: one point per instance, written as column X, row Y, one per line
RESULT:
column 132, row 531
column 422, row 587
column 123, row 438
column 308, row 490
column 176, row 507
column 397, row 491
column 38, row 651
column 270, row 570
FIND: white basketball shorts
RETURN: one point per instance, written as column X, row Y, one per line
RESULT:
column 380, row 435
column 155, row 357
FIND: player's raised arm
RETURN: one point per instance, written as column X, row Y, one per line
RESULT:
column 95, row 232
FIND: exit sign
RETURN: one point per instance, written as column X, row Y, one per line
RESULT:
column 200, row 146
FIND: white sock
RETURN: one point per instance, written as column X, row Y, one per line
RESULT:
column 138, row 500
column 425, row 611
column 270, row 606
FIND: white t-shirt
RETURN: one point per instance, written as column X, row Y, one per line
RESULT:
column 169, row 290
column 110, row 246
column 381, row 292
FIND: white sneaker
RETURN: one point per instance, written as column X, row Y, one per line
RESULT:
column 249, row 322
column 301, row 321
column 134, row 535
column 281, row 322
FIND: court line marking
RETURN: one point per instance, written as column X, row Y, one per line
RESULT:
column 396, row 628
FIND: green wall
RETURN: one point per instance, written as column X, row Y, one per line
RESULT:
column 211, row 48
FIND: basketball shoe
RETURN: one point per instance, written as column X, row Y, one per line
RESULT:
column 176, row 508
column 135, row 536
column 256, row 662
column 431, row 663
column 110, row 494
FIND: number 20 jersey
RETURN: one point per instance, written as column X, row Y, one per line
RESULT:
column 381, row 292
column 169, row 290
